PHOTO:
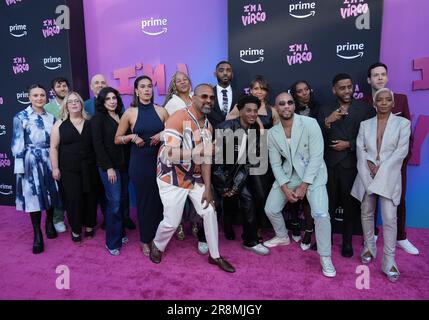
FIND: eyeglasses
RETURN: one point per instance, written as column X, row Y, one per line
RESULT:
column 205, row 96
column 73, row 101
column 289, row 103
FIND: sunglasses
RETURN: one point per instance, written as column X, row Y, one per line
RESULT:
column 206, row 96
column 289, row 103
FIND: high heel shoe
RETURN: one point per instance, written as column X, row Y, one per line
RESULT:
column 180, row 233
column 366, row 257
column 393, row 276
column 38, row 246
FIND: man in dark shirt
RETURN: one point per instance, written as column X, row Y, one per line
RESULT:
column 377, row 79
column 340, row 122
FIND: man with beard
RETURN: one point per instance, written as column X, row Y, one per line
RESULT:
column 60, row 86
column 184, row 170
column 295, row 148
column 377, row 78
column 224, row 97
column 340, row 122
column 232, row 179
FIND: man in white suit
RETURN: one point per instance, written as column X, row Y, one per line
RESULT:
column 381, row 147
column 299, row 141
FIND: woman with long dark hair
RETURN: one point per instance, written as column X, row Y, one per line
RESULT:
column 146, row 122
column 112, row 162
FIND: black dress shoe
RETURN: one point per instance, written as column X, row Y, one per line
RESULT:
column 51, row 233
column 222, row 263
column 347, row 250
column 155, row 254
column 129, row 224
column 229, row 234
column 76, row 240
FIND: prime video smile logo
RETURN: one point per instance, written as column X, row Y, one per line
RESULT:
column 22, row 98
column 155, row 26
column 302, row 7
column 18, row 30
column 350, row 51
column 253, row 53
column 52, row 63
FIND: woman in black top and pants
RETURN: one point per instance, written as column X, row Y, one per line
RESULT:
column 73, row 158
column 112, row 162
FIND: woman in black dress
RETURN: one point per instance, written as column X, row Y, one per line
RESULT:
column 146, row 121
column 73, row 162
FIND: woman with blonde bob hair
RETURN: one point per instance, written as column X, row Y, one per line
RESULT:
column 381, row 147
column 74, row 165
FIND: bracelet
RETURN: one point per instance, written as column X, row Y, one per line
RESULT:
column 123, row 139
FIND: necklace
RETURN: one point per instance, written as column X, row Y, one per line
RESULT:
column 77, row 123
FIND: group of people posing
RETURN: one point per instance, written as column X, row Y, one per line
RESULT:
column 72, row 155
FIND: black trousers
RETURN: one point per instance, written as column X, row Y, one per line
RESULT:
column 246, row 203
column 340, row 183
column 81, row 206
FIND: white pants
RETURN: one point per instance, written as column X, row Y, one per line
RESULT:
column 173, row 198
column 388, row 215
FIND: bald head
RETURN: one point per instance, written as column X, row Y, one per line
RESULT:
column 98, row 82
column 283, row 96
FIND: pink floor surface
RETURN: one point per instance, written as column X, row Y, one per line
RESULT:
column 287, row 273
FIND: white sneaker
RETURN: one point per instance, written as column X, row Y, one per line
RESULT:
column 328, row 268
column 258, row 249
column 203, row 248
column 60, row 227
column 407, row 246
column 277, row 241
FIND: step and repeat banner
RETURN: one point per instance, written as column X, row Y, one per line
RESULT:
column 40, row 41
column 292, row 40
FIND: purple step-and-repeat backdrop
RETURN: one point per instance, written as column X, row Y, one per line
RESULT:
column 125, row 39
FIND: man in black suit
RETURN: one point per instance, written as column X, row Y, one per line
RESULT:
column 340, row 122
column 225, row 100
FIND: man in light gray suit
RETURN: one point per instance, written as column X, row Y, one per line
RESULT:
column 295, row 147
column 381, row 147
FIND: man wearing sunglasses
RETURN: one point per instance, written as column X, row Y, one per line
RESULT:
column 184, row 170
column 295, row 147
column 340, row 122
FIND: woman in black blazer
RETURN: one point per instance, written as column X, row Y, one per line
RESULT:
column 112, row 162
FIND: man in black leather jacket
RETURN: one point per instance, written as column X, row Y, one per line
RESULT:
column 231, row 171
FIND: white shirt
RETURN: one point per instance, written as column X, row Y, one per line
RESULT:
column 220, row 97
column 175, row 104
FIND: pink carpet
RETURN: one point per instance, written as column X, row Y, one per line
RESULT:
column 287, row 273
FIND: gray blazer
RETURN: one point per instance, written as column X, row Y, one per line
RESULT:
column 394, row 149
column 305, row 153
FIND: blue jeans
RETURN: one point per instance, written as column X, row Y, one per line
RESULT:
column 117, row 199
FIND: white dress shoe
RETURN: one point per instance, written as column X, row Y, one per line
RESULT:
column 60, row 227
column 328, row 268
column 203, row 248
column 407, row 246
column 277, row 241
column 258, row 249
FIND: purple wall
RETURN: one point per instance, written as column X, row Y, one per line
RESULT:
column 115, row 40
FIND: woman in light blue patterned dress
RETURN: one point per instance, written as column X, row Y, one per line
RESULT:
column 36, row 190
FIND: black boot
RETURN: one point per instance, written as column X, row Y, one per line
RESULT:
column 347, row 248
column 38, row 236
column 51, row 233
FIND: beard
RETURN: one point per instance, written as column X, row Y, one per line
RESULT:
column 206, row 109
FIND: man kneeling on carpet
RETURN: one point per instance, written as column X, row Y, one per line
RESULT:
column 184, row 170
column 295, row 148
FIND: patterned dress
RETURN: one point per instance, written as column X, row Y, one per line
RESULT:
column 36, row 190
